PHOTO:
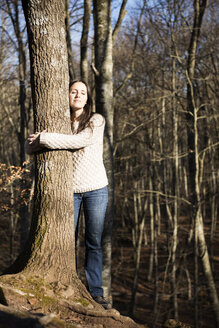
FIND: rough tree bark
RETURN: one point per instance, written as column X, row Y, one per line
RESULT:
column 50, row 248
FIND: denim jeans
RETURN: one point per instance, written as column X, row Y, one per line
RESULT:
column 94, row 205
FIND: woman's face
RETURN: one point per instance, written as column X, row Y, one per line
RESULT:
column 78, row 97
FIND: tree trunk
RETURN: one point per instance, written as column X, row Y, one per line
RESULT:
column 50, row 248
column 68, row 41
column 200, row 242
column 104, row 105
column 151, row 211
column 156, row 207
column 137, row 233
column 122, row 14
column 194, row 167
column 84, row 39
column 176, row 193
column 199, row 9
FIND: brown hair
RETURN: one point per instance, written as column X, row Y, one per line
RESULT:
column 84, row 118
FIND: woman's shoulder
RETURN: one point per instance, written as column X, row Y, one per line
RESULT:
column 97, row 119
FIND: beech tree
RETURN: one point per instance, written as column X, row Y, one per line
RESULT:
column 68, row 41
column 84, row 40
column 200, row 246
column 104, row 104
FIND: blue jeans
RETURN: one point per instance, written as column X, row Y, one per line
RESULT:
column 94, row 205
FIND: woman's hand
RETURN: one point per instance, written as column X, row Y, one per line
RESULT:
column 33, row 139
column 32, row 144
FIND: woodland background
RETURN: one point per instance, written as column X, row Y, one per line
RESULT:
column 165, row 150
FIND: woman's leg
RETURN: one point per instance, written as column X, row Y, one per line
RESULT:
column 94, row 203
column 77, row 208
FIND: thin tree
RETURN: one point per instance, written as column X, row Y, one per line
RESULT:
column 103, row 69
column 194, row 165
column 140, row 207
column 68, row 41
column 14, row 15
column 84, row 40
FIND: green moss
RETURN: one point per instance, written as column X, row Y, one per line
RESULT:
column 37, row 287
column 8, row 279
column 82, row 301
column 48, row 303
column 35, row 281
column 25, row 284
column 33, row 286
column 58, row 322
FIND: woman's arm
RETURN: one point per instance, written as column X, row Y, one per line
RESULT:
column 86, row 137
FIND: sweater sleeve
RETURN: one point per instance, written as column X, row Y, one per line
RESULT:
column 86, row 137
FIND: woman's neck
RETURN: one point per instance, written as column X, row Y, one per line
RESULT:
column 78, row 113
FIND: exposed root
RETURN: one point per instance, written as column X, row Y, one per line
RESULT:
column 69, row 303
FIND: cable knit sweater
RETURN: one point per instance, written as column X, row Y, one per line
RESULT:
column 89, row 172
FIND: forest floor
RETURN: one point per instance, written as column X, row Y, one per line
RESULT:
column 123, row 268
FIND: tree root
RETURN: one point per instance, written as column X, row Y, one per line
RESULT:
column 112, row 313
column 58, row 305
column 12, row 318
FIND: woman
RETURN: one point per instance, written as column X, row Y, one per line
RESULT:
column 90, row 180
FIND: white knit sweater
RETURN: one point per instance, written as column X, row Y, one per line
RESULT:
column 88, row 168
